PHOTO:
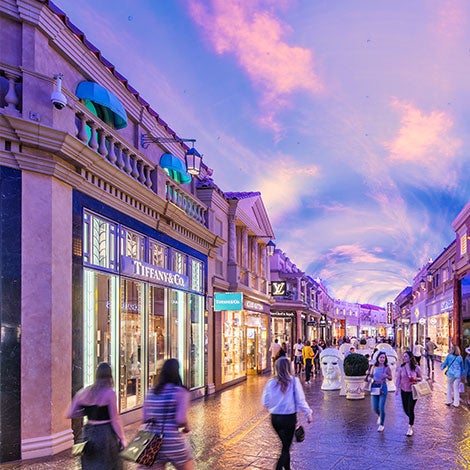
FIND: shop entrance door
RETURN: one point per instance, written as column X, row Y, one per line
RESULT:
column 252, row 350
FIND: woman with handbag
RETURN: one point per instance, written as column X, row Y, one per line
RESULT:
column 283, row 396
column 408, row 374
column 380, row 373
column 103, row 432
column 167, row 405
column 454, row 372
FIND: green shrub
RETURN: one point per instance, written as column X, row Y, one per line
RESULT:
column 355, row 365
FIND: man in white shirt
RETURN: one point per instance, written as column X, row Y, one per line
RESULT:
column 298, row 356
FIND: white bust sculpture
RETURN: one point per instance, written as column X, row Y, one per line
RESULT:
column 331, row 362
column 392, row 359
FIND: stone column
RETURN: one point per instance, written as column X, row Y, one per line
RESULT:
column 46, row 303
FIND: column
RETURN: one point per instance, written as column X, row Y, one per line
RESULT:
column 46, row 303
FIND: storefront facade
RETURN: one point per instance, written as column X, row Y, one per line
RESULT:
column 241, row 337
column 143, row 302
column 284, row 328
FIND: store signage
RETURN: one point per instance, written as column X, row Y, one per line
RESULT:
column 283, row 314
column 389, row 313
column 278, row 288
column 311, row 323
column 322, row 320
column 149, row 272
column 447, row 305
column 422, row 321
column 228, row 301
column 250, row 305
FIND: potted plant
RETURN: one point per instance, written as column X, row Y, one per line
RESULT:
column 355, row 369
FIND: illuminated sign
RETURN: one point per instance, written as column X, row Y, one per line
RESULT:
column 278, row 288
column 228, row 301
column 149, row 272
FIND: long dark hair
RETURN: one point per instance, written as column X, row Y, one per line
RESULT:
column 381, row 353
column 170, row 374
column 412, row 360
column 103, row 379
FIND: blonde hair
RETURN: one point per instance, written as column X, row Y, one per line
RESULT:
column 283, row 373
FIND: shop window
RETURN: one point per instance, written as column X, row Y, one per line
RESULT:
column 132, row 314
column 233, row 346
column 196, row 341
column 99, row 242
column 100, row 322
column 157, row 333
column 132, row 244
column 177, row 329
column 196, row 276
column 158, row 254
column 179, row 262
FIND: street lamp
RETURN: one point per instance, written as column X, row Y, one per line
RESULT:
column 270, row 247
column 422, row 283
column 429, row 276
column 193, row 158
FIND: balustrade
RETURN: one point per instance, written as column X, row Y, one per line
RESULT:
column 10, row 98
column 118, row 153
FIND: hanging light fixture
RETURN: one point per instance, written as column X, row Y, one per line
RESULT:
column 193, row 158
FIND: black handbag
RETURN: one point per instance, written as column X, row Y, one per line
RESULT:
column 299, row 434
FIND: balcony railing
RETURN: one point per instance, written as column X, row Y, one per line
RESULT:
column 10, row 90
column 117, row 152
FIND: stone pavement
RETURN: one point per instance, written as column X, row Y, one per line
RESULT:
column 231, row 430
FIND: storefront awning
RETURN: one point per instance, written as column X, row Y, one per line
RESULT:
column 175, row 168
column 97, row 94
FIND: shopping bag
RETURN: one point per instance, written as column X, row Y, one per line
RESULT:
column 144, row 448
column 79, row 448
column 461, row 387
column 420, row 389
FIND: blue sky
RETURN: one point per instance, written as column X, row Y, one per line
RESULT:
column 351, row 117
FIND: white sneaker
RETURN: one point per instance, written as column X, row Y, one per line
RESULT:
column 380, row 428
column 410, row 431
column 378, row 420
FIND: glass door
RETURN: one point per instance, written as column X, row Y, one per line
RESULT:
column 251, row 350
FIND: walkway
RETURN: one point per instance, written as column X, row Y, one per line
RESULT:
column 231, row 430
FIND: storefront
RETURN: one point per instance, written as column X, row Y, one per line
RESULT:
column 243, row 346
column 418, row 323
column 465, row 311
column 283, row 328
column 141, row 302
column 439, row 324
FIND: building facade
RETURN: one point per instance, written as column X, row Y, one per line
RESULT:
column 106, row 249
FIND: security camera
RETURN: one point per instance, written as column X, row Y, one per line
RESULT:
column 58, row 99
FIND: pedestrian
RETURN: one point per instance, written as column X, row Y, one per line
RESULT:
column 283, row 350
column 467, row 373
column 167, row 404
column 274, row 348
column 418, row 350
column 103, row 431
column 454, row 372
column 408, row 374
column 298, row 356
column 307, row 355
column 429, row 348
column 380, row 373
column 283, row 396
column 317, row 349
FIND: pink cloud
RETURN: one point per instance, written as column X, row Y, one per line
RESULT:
column 256, row 37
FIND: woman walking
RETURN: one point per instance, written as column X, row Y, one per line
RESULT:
column 408, row 374
column 103, row 431
column 167, row 404
column 283, row 396
column 454, row 372
column 380, row 373
column 467, row 374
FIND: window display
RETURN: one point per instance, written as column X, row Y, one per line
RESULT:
column 132, row 310
column 196, row 341
column 157, row 333
column 233, row 345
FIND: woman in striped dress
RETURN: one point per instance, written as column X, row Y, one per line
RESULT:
column 167, row 404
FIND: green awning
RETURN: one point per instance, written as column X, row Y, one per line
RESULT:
column 99, row 95
column 175, row 168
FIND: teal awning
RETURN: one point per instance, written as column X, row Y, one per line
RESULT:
column 99, row 95
column 175, row 168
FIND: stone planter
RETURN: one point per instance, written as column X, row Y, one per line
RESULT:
column 355, row 387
